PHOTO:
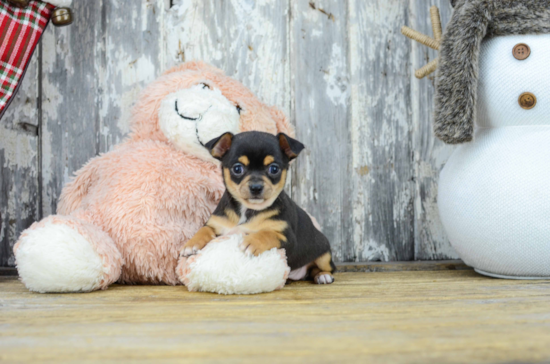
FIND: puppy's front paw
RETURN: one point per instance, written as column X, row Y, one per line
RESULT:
column 256, row 244
column 197, row 242
column 187, row 251
column 323, row 278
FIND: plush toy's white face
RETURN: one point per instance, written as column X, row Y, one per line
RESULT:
column 192, row 117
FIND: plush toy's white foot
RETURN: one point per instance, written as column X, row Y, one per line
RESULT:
column 61, row 254
column 323, row 278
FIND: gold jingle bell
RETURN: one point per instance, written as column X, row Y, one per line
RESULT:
column 19, row 3
column 62, row 17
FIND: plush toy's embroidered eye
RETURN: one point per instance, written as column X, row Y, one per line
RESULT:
column 204, row 85
column 239, row 109
column 237, row 169
column 274, row 169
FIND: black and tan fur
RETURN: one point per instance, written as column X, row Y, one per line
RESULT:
column 256, row 204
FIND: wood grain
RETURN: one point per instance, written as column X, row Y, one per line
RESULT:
column 423, row 265
column 130, row 54
column 397, row 317
column 321, row 89
column 246, row 39
column 381, row 173
column 70, row 99
column 19, row 171
column 429, row 153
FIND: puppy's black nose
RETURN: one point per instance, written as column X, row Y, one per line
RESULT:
column 256, row 188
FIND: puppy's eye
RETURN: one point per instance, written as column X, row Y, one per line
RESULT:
column 237, row 169
column 274, row 169
column 239, row 109
column 204, row 85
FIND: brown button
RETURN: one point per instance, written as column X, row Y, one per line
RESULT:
column 527, row 100
column 521, row 51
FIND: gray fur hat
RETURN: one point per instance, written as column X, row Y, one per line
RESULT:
column 457, row 74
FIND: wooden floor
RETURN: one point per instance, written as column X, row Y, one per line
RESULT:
column 389, row 317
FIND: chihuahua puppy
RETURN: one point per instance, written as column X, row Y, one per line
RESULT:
column 254, row 167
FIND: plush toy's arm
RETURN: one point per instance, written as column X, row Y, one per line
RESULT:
column 283, row 125
column 74, row 191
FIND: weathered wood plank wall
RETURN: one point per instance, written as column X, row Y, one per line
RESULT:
column 382, row 162
column 340, row 69
column 19, row 163
column 321, row 85
column 429, row 154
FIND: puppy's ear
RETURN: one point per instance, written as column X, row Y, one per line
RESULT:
column 220, row 145
column 290, row 147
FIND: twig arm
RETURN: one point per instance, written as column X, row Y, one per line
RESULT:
column 436, row 22
column 420, row 38
column 427, row 69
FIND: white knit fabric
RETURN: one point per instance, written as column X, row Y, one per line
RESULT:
column 494, row 193
column 502, row 79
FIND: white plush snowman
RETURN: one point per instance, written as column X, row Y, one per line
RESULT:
column 493, row 97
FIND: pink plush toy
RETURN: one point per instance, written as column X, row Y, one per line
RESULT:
column 127, row 212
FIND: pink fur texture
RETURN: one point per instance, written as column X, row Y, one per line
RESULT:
column 139, row 203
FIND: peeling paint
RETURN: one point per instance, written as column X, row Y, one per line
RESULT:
column 363, row 170
column 18, row 165
column 247, row 39
column 337, row 86
column 321, row 92
column 381, row 132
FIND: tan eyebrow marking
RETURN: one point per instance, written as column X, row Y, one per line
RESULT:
column 244, row 160
column 268, row 160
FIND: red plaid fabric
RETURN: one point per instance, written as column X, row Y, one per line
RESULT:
column 20, row 31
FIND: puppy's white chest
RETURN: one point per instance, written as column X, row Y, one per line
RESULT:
column 242, row 220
